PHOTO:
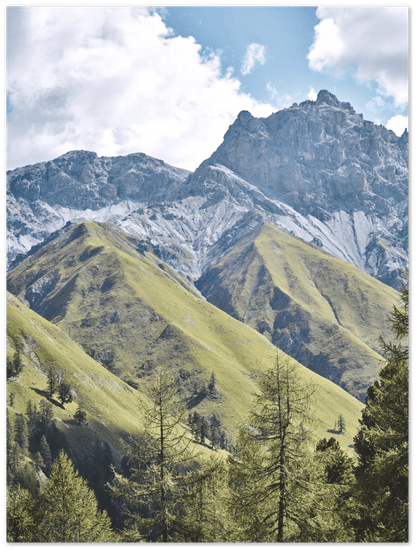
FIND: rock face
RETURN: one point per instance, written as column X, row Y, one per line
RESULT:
column 319, row 157
column 316, row 170
column 81, row 180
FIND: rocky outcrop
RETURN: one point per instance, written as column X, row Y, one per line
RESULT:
column 317, row 170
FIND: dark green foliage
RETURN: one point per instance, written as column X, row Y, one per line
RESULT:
column 33, row 415
column 45, row 453
column 15, row 366
column 210, row 429
column 64, row 392
column 341, row 424
column 53, row 382
column 80, row 416
column 11, row 449
column 44, row 430
column 211, row 384
column 21, row 434
column 338, row 465
column 70, row 512
column 11, row 399
column 382, row 443
column 40, row 462
column 45, row 414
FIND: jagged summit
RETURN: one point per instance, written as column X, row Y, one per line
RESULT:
column 316, row 169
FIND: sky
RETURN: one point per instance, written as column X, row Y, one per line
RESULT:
column 169, row 81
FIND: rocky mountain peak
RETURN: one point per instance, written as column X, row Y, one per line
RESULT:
column 326, row 97
column 317, row 170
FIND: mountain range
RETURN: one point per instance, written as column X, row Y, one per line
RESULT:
column 317, row 170
column 294, row 234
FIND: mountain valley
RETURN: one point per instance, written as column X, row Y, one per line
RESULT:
column 289, row 242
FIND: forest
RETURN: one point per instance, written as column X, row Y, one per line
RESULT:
column 274, row 483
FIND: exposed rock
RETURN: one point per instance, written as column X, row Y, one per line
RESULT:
column 316, row 169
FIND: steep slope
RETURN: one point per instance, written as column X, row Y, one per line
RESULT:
column 322, row 172
column 317, row 170
column 43, row 197
column 112, row 406
column 131, row 312
column 320, row 310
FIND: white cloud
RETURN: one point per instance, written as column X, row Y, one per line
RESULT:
column 312, row 95
column 115, row 81
column 398, row 124
column 376, row 103
column 374, row 39
column 279, row 101
column 255, row 54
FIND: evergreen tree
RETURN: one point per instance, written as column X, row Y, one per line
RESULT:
column 211, row 384
column 12, row 450
column 15, row 366
column 45, row 453
column 53, row 382
column 341, row 424
column 273, row 491
column 159, row 466
column 40, row 462
column 69, row 508
column 21, row 515
column 64, row 392
column 21, row 433
column 203, row 515
column 46, row 413
column 382, row 442
column 80, row 416
column 203, row 429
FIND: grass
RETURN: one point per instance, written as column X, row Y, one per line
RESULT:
column 322, row 310
column 158, row 320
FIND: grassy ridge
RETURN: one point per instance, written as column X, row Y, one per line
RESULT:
column 322, row 311
column 128, row 310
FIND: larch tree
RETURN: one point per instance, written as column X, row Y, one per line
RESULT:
column 21, row 432
column 69, row 508
column 21, row 515
column 382, row 443
column 160, row 464
column 272, row 458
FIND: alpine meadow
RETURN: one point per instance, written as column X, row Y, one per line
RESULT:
column 217, row 353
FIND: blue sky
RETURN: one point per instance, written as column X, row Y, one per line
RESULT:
column 169, row 81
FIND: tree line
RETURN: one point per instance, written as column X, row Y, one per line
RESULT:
column 275, row 485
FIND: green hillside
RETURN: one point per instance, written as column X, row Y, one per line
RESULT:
column 321, row 310
column 130, row 312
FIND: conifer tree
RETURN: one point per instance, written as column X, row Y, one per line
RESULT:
column 80, row 415
column 211, row 384
column 21, row 433
column 341, row 424
column 12, row 450
column 204, row 514
column 46, row 413
column 64, row 392
column 273, row 492
column 21, row 515
column 159, row 465
column 382, row 442
column 45, row 453
column 53, row 382
column 69, row 508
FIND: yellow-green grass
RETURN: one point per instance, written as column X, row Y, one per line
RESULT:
column 203, row 338
column 336, row 310
column 113, row 407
